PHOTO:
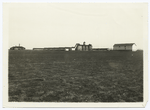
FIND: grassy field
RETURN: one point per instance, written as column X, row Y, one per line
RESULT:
column 58, row 76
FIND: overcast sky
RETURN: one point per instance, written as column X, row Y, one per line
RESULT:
column 59, row 24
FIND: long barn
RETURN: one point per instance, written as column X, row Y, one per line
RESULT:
column 126, row 46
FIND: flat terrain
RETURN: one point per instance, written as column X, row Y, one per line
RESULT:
column 58, row 76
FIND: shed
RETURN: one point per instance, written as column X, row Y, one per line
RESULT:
column 125, row 46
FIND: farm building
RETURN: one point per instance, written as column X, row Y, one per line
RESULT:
column 73, row 48
column 78, row 47
column 38, row 48
column 126, row 46
column 58, row 48
column 84, row 47
column 17, row 48
column 100, row 49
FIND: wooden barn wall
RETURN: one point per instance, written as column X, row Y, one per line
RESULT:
column 79, row 48
column 123, row 47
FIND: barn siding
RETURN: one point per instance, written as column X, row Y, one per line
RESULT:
column 123, row 48
column 83, row 47
column 86, row 47
column 79, row 48
column 90, row 47
column 128, row 47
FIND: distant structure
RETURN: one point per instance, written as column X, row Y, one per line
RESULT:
column 72, row 48
column 58, row 48
column 100, row 49
column 78, row 47
column 17, row 48
column 38, row 48
column 84, row 47
column 126, row 46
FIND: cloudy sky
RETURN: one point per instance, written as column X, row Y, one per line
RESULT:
column 65, row 24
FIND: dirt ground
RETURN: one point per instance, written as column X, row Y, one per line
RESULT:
column 59, row 76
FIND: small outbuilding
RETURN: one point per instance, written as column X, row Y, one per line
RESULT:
column 17, row 48
column 125, row 46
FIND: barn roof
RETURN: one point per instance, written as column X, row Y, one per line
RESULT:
column 125, row 44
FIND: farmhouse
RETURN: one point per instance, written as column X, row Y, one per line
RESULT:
column 126, row 46
column 17, row 48
column 84, row 47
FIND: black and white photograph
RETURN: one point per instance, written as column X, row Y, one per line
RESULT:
column 76, row 53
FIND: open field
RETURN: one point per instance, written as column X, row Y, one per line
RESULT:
column 58, row 76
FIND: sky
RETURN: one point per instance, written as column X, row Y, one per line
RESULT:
column 39, row 25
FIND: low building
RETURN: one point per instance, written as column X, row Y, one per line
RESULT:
column 38, row 48
column 83, row 47
column 17, row 48
column 55, row 49
column 100, row 49
column 58, row 48
column 126, row 46
column 72, row 48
